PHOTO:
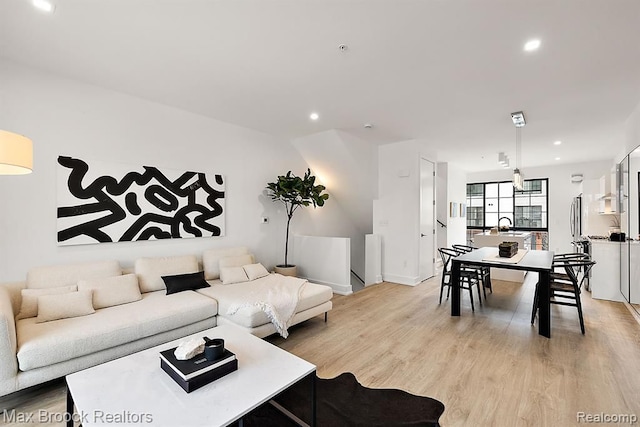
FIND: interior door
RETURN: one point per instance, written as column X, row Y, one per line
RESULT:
column 427, row 219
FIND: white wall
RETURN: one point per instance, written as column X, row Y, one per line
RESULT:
column 456, row 192
column 561, row 193
column 65, row 117
column 314, row 253
column 396, row 213
column 442, row 206
column 451, row 186
column 348, row 167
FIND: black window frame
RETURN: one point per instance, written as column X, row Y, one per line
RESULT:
column 514, row 227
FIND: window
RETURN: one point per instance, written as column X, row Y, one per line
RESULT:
column 491, row 204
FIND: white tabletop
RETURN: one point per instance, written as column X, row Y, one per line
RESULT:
column 134, row 390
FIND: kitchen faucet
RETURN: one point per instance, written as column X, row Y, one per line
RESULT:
column 504, row 217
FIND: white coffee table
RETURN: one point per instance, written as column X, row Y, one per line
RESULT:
column 134, row 390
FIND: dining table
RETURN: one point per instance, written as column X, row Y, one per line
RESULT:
column 538, row 261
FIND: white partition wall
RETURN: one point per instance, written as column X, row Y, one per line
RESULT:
column 373, row 259
column 324, row 260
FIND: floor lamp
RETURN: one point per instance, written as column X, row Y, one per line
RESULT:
column 16, row 154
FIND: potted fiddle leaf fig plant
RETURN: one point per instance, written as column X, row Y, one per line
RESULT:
column 295, row 192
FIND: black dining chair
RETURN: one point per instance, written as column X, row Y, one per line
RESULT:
column 467, row 278
column 484, row 273
column 569, row 273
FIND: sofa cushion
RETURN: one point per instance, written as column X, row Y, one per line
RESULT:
column 250, row 317
column 236, row 261
column 66, row 275
column 110, row 291
column 29, row 306
column 43, row 344
column 151, row 270
column 255, row 271
column 230, row 275
column 185, row 282
column 211, row 260
column 64, row 306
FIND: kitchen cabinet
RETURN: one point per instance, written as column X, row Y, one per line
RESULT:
column 605, row 275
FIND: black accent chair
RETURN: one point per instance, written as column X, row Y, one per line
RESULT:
column 468, row 278
column 569, row 273
column 484, row 273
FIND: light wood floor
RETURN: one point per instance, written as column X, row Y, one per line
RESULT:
column 489, row 368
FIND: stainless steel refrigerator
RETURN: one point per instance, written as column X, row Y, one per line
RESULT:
column 576, row 218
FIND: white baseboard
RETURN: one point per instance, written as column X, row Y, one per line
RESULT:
column 377, row 279
column 337, row 287
column 402, row 280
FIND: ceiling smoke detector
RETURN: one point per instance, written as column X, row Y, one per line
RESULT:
column 343, row 47
column 368, row 126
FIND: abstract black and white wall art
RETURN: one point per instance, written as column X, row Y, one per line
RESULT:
column 111, row 202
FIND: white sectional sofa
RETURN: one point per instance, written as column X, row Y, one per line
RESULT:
column 314, row 299
column 115, row 314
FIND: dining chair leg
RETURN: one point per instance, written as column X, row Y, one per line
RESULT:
column 535, row 305
column 471, row 296
column 442, row 284
column 579, row 304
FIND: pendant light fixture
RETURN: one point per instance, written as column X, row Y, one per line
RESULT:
column 16, row 154
column 519, row 121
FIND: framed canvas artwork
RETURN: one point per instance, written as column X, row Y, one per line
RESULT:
column 100, row 202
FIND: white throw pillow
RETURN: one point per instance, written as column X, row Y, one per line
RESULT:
column 63, row 306
column 151, row 270
column 229, row 275
column 211, row 260
column 236, row 261
column 29, row 306
column 255, row 271
column 111, row 291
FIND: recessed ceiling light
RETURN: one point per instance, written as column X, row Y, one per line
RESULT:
column 43, row 5
column 557, row 158
column 532, row 45
column 557, row 142
column 314, row 116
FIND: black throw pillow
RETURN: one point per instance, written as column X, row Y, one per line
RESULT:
column 185, row 282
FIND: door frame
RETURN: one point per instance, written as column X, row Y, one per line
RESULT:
column 422, row 274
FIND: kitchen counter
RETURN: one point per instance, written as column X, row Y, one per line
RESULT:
column 493, row 240
column 603, row 242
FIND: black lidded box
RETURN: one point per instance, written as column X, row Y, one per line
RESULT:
column 507, row 249
column 216, row 369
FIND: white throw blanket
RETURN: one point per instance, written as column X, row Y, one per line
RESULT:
column 277, row 296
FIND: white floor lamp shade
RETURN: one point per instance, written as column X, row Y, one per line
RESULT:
column 16, row 154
